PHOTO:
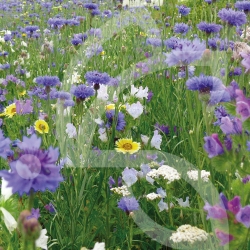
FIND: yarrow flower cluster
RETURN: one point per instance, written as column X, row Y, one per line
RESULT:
column 194, row 175
column 123, row 190
column 189, row 234
column 168, row 173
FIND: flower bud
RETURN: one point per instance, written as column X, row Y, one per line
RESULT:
column 31, row 229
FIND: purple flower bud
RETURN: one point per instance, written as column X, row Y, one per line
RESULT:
column 243, row 216
column 224, row 238
column 215, row 212
column 213, row 145
column 234, row 205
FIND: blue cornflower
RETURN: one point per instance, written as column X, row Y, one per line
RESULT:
column 181, row 28
column 90, row 6
column 220, row 112
column 76, row 41
column 107, row 13
column 96, row 77
column 95, row 32
column 210, row 85
column 183, row 10
column 209, row 27
column 48, row 81
column 96, row 12
column 128, row 204
column 81, row 92
column 186, row 52
column 56, row 23
column 243, row 5
column 171, row 43
column 156, row 42
column 232, row 17
column 31, row 29
column 34, row 169
column 94, row 49
column 120, row 123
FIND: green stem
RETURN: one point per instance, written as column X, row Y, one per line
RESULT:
column 130, row 240
column 31, row 199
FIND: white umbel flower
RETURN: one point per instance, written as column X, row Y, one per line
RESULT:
column 168, row 173
column 153, row 196
column 189, row 234
column 193, row 175
column 123, row 190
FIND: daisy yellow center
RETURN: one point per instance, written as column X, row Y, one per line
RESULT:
column 127, row 146
column 13, row 110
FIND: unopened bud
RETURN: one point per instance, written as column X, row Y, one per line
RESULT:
column 31, row 229
column 229, row 50
column 207, row 54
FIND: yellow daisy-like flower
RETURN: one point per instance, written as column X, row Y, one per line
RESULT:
column 41, row 126
column 9, row 111
column 127, row 146
column 143, row 34
column 23, row 34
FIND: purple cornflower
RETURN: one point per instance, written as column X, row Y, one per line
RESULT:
column 150, row 95
column 90, row 6
column 213, row 145
column 223, row 237
column 111, row 182
column 94, row 49
column 183, row 10
column 243, row 5
column 232, row 17
column 156, row 42
column 48, row 81
column 96, row 78
column 128, row 204
column 31, row 29
column 234, row 205
column 129, row 175
column 209, row 85
column 246, row 61
column 171, row 43
column 107, row 13
column 181, row 28
column 242, row 105
column 228, row 142
column 76, row 41
column 209, row 27
column 81, row 92
column 220, row 112
column 243, row 216
column 96, row 12
column 56, row 23
column 4, row 146
column 235, row 72
column 120, row 122
column 186, row 52
column 34, row 169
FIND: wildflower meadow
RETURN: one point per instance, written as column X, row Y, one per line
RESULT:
column 124, row 124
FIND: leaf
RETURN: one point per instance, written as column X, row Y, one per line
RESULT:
column 231, row 108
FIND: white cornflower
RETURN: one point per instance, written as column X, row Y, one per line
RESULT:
column 102, row 134
column 193, row 175
column 102, row 93
column 123, row 190
column 153, row 196
column 189, row 234
column 42, row 241
column 168, row 173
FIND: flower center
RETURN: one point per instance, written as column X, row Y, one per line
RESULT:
column 28, row 166
column 13, row 110
column 42, row 127
column 127, row 146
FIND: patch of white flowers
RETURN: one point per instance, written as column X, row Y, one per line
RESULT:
column 123, row 190
column 194, row 175
column 153, row 196
column 189, row 234
column 168, row 173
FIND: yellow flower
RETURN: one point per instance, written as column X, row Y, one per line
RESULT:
column 22, row 93
column 9, row 111
column 41, row 126
column 143, row 34
column 24, row 35
column 127, row 146
column 112, row 106
column 103, row 53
